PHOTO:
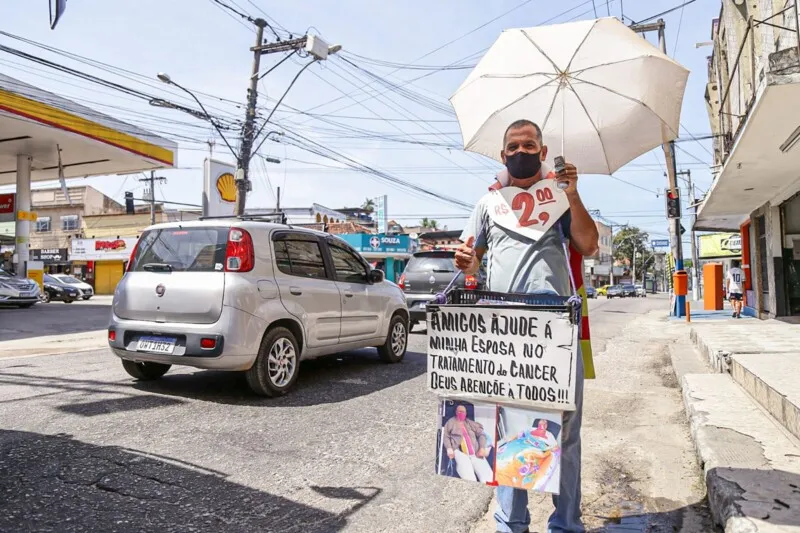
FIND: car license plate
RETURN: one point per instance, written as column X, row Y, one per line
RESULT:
column 26, row 294
column 163, row 345
column 422, row 305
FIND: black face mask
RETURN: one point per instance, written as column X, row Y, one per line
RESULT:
column 523, row 165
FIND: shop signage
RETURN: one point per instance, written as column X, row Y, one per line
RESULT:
column 102, row 249
column 50, row 255
column 719, row 245
column 7, row 202
column 380, row 243
column 219, row 189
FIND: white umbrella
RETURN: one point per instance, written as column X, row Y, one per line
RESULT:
column 601, row 94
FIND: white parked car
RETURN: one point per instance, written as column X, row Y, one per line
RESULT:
column 86, row 290
column 641, row 292
column 250, row 296
column 20, row 292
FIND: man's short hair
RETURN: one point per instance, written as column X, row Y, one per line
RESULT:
column 736, row 263
column 521, row 123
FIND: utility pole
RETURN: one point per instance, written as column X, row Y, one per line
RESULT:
column 248, row 131
column 672, row 178
column 695, row 262
column 151, row 180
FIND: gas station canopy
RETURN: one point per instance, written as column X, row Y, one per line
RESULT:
column 38, row 123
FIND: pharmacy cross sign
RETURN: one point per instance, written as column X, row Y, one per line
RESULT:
column 375, row 242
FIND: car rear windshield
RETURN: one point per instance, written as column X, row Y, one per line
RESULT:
column 182, row 250
column 435, row 262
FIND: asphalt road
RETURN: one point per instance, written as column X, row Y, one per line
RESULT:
column 85, row 448
column 54, row 318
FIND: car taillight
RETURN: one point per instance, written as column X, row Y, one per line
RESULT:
column 239, row 255
column 470, row 283
column 133, row 256
column 208, row 343
column 112, row 335
column 402, row 282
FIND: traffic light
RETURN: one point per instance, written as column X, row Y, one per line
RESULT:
column 673, row 204
column 129, row 202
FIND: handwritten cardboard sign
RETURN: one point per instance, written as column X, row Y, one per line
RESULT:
column 520, row 356
column 529, row 212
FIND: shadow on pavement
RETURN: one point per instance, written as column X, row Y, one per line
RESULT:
column 331, row 379
column 55, row 318
column 118, row 405
column 57, row 483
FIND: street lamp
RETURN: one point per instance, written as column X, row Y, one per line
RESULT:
column 164, row 77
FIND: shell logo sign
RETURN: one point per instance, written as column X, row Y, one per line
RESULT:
column 219, row 189
column 226, row 186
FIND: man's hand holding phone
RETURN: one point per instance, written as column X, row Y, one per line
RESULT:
column 466, row 259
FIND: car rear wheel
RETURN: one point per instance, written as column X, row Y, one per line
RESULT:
column 68, row 300
column 46, row 297
column 394, row 349
column 145, row 371
column 277, row 365
column 86, row 297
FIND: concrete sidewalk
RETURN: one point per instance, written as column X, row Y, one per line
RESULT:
column 745, row 422
column 54, row 344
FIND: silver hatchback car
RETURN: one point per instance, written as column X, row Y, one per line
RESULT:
column 253, row 296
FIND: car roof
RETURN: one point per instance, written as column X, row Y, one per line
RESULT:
column 434, row 253
column 244, row 223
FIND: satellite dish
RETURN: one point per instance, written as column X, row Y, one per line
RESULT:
column 413, row 236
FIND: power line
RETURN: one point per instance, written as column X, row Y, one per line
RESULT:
column 248, row 18
column 678, row 33
column 668, row 11
column 594, row 7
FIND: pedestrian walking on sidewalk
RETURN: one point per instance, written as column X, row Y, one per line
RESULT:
column 734, row 282
column 520, row 264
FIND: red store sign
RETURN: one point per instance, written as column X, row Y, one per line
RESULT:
column 7, row 202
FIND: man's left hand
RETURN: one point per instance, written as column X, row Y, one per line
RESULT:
column 570, row 176
column 483, row 452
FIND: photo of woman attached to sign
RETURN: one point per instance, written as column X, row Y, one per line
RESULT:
column 466, row 443
column 529, row 449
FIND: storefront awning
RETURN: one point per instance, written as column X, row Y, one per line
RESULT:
column 37, row 123
column 764, row 164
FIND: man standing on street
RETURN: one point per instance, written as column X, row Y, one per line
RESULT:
column 520, row 264
column 734, row 283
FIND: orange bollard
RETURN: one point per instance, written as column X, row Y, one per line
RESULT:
column 688, row 311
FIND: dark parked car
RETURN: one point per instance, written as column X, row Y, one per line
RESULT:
column 55, row 290
column 615, row 291
column 591, row 292
column 428, row 273
column 629, row 291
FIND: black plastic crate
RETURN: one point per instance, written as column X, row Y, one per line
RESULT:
column 542, row 302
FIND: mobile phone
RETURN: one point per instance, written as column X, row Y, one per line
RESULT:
column 560, row 166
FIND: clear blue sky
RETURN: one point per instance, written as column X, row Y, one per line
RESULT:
column 204, row 48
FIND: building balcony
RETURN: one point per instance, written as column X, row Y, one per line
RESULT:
column 756, row 119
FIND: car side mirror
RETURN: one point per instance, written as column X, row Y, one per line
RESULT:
column 376, row 276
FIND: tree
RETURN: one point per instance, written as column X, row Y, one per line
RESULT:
column 429, row 224
column 628, row 239
column 368, row 206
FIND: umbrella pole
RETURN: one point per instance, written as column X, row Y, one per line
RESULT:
column 562, row 184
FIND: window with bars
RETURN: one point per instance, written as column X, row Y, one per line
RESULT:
column 69, row 223
column 43, row 224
